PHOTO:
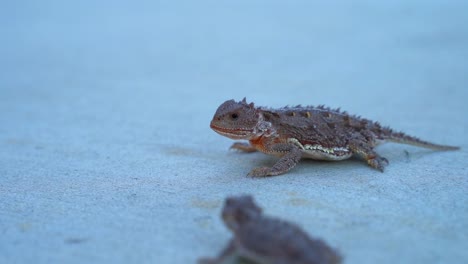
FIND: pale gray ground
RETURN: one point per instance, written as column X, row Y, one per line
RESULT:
column 106, row 154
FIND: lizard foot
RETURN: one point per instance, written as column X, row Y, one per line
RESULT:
column 378, row 163
column 243, row 147
column 263, row 172
column 207, row 261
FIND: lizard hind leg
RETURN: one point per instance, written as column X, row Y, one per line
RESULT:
column 373, row 159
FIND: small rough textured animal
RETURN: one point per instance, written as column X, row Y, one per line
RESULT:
column 267, row 240
column 320, row 133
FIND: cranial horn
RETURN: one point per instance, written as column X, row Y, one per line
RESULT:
column 244, row 100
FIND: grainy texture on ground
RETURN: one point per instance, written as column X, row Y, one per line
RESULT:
column 106, row 155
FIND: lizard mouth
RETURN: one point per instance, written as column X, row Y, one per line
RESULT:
column 234, row 133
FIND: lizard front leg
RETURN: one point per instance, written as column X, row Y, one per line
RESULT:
column 291, row 156
column 228, row 251
column 245, row 147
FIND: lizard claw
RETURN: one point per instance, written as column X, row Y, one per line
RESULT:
column 260, row 172
column 240, row 146
column 384, row 160
column 378, row 163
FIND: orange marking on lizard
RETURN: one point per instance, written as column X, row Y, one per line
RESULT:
column 281, row 131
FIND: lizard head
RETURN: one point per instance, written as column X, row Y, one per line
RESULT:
column 239, row 210
column 236, row 120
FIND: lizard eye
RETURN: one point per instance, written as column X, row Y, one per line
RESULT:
column 229, row 201
column 234, row 116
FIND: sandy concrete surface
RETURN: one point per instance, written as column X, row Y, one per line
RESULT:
column 106, row 155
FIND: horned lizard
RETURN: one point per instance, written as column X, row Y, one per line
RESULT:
column 320, row 133
column 267, row 240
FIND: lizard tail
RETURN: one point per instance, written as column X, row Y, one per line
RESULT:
column 409, row 140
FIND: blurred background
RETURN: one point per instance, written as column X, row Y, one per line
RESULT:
column 106, row 154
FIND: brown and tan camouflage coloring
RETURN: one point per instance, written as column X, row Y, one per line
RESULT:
column 320, row 133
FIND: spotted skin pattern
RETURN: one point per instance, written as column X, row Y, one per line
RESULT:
column 319, row 133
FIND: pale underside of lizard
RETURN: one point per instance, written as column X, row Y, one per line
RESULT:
column 319, row 133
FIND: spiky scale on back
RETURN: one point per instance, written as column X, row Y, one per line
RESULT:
column 309, row 132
